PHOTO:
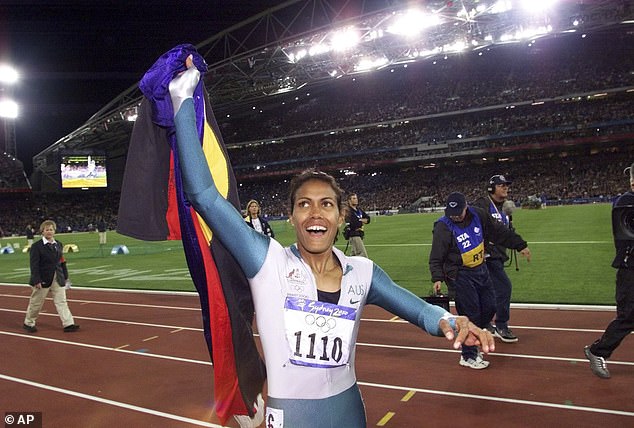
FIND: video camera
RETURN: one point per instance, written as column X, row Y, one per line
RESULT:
column 623, row 223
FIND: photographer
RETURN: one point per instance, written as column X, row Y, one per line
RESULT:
column 623, row 324
column 496, row 204
column 356, row 218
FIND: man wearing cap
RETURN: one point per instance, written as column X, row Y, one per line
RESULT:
column 623, row 324
column 495, row 256
column 457, row 258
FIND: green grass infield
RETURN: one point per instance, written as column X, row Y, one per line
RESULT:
column 572, row 250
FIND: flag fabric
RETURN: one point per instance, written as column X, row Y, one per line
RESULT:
column 153, row 206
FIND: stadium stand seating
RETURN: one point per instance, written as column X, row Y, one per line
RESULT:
column 555, row 115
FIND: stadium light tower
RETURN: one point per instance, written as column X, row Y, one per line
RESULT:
column 8, row 108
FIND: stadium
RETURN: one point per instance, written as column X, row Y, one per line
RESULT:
column 403, row 106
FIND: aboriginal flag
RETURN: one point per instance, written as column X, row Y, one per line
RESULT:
column 153, row 206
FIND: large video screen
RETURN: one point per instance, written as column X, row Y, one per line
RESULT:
column 83, row 171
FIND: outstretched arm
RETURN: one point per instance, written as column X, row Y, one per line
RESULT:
column 435, row 320
column 245, row 244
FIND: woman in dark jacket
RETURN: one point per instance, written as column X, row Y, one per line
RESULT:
column 254, row 220
column 48, row 273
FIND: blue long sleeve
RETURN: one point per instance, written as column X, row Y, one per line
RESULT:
column 245, row 244
column 401, row 302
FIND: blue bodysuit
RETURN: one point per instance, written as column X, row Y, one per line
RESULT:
column 308, row 345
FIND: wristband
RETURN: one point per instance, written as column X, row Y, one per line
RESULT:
column 451, row 319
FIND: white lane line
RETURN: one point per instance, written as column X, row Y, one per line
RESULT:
column 103, row 302
column 107, row 348
column 498, row 354
column 197, row 329
column 500, row 399
column 107, row 320
column 110, row 402
column 508, row 400
column 116, row 290
column 370, row 345
column 428, row 244
column 546, row 306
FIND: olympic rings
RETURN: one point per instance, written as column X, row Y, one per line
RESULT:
column 325, row 324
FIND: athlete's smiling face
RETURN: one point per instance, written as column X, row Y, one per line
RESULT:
column 316, row 217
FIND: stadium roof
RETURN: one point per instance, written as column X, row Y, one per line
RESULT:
column 304, row 42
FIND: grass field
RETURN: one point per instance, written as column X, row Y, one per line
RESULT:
column 572, row 250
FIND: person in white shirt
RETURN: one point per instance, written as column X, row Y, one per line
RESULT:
column 257, row 222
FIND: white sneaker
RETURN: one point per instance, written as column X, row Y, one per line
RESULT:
column 478, row 363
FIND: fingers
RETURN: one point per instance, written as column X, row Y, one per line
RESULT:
column 487, row 342
column 462, row 328
column 471, row 335
column 526, row 253
column 446, row 329
column 183, row 86
column 437, row 286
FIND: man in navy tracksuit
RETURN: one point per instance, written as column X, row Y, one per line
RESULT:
column 457, row 258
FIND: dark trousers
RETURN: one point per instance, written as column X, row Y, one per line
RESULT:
column 623, row 324
column 502, row 287
column 475, row 299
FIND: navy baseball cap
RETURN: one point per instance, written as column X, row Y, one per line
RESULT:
column 456, row 202
column 497, row 180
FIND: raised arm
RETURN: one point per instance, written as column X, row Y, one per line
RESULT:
column 245, row 244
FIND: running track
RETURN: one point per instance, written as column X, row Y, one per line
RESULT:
column 140, row 360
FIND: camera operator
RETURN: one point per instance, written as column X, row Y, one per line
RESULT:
column 623, row 324
column 501, row 209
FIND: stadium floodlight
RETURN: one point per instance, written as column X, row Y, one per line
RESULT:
column 344, row 39
column 430, row 52
column 366, row 64
column 413, row 22
column 319, row 49
column 537, row 5
column 8, row 74
column 8, row 109
column 501, row 7
column 457, row 46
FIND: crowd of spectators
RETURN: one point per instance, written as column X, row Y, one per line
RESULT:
column 549, row 68
column 556, row 178
column 500, row 129
column 568, row 91
column 407, row 139
column 73, row 212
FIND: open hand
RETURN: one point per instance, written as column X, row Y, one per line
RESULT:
column 468, row 334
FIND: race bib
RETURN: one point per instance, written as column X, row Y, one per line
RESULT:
column 274, row 418
column 318, row 334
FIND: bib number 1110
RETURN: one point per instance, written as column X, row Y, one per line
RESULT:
column 336, row 349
